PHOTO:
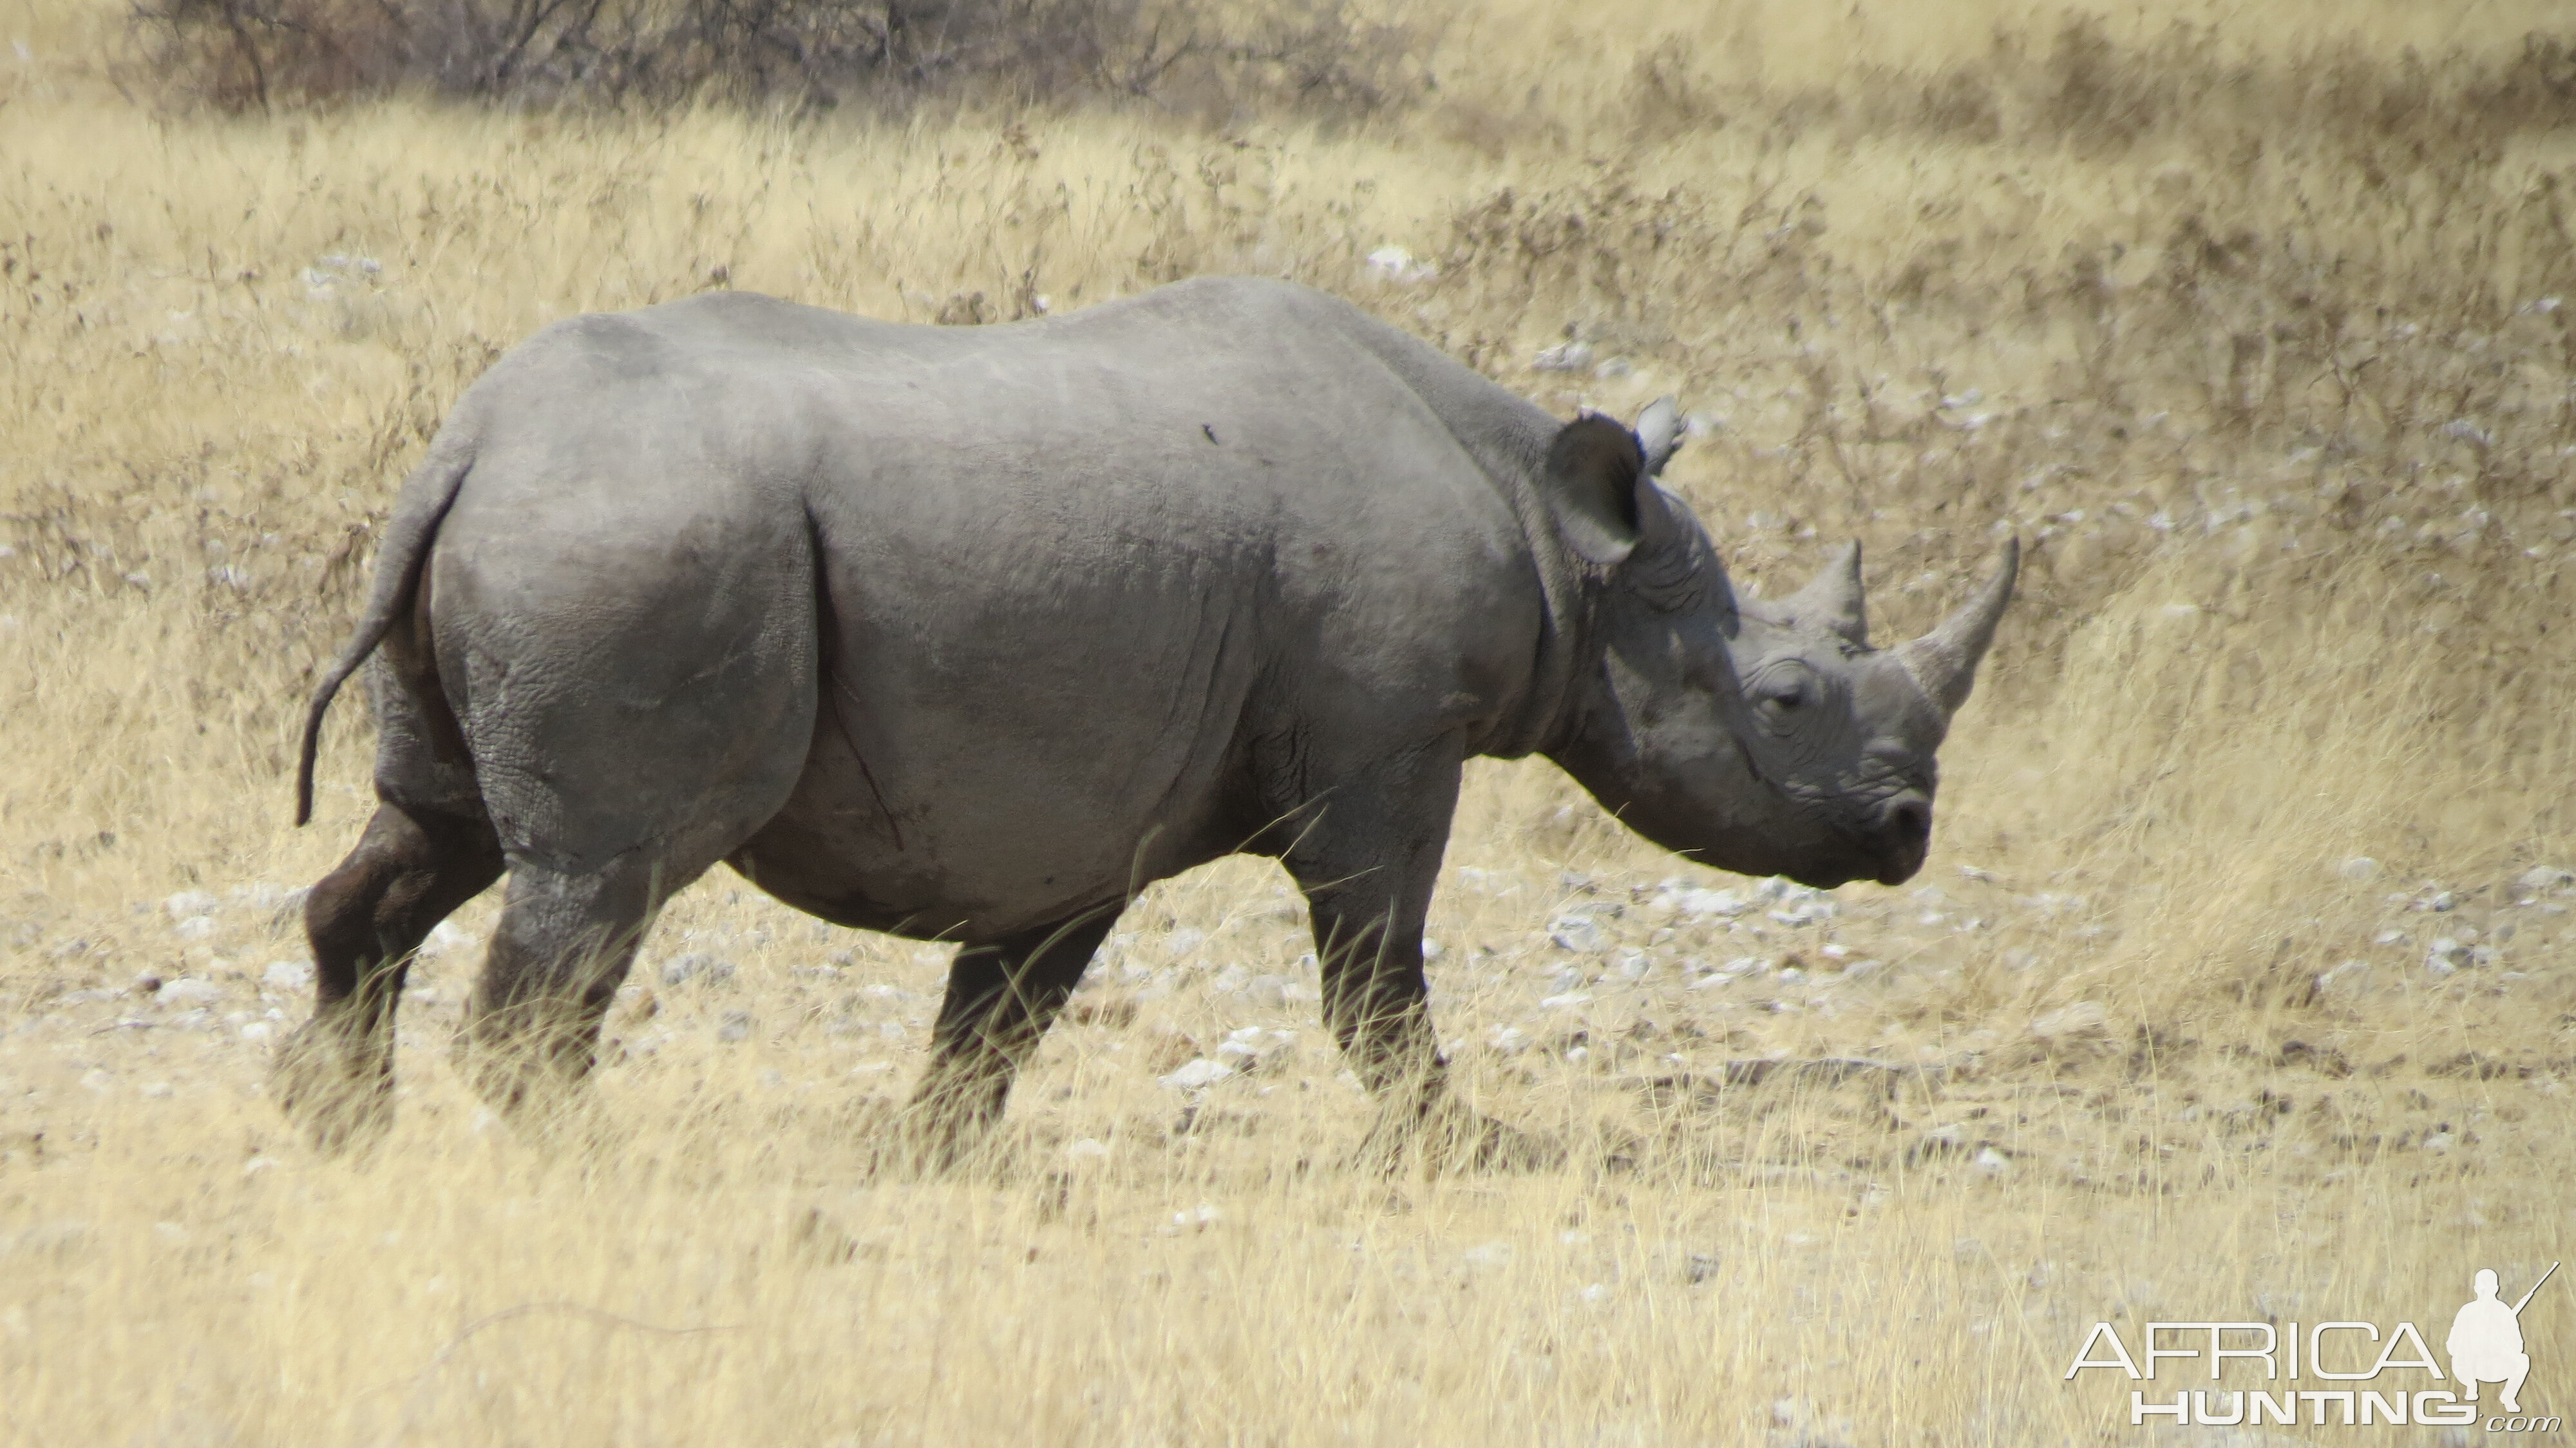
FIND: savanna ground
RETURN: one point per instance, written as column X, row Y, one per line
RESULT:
column 2236, row 987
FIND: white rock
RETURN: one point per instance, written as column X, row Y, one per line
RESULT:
column 2082, row 1016
column 1185, row 940
column 736, row 1026
column 189, row 902
column 287, row 975
column 1632, row 965
column 1510, row 1040
column 1564, row 357
column 1576, row 932
column 188, row 990
column 2359, row 870
column 1395, row 264
column 157, row 1090
column 1565, row 1002
column 2545, row 878
column 257, row 1031
column 1087, row 1149
column 2447, row 955
column 1198, row 1075
column 1711, row 902
column 1992, row 1162
column 195, row 927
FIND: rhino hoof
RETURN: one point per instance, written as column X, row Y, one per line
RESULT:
column 325, row 1084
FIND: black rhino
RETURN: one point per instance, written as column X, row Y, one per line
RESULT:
column 968, row 634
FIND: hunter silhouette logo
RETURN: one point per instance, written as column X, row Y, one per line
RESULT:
column 2364, row 1374
column 2486, row 1341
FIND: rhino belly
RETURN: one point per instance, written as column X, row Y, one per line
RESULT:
column 1014, row 767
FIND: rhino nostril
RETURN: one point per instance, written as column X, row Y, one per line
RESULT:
column 1910, row 821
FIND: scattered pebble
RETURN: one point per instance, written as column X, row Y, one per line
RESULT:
column 707, row 969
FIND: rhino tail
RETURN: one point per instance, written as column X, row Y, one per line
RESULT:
column 425, row 499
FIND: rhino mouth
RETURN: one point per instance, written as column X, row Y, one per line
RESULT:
column 1890, row 850
column 1904, row 840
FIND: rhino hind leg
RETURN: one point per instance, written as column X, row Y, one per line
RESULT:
column 410, row 869
column 1002, row 996
column 563, row 946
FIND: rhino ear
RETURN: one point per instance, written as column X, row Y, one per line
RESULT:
column 1594, row 481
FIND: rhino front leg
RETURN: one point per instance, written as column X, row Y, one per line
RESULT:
column 410, row 869
column 1367, row 855
column 1002, row 996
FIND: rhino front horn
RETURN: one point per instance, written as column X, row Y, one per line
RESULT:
column 1944, row 661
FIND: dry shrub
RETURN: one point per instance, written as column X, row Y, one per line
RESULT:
column 1192, row 54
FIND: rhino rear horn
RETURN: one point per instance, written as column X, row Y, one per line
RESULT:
column 1833, row 601
column 1944, row 661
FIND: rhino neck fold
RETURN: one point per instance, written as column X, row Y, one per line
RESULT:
column 1548, row 714
column 1508, row 438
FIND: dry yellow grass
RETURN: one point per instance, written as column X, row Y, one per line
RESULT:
column 2278, row 390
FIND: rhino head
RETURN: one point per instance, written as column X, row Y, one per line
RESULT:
column 1765, row 737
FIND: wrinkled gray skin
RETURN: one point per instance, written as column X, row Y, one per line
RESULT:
column 968, row 634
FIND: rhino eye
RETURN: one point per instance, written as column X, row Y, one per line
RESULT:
column 1783, row 700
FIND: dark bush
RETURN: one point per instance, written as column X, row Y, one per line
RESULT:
column 1196, row 55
